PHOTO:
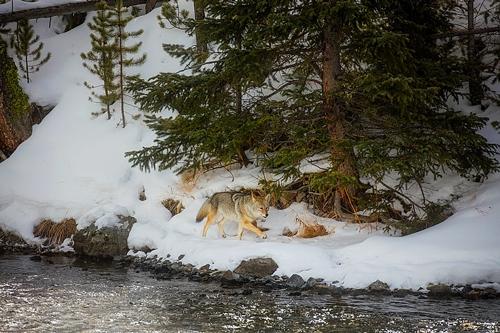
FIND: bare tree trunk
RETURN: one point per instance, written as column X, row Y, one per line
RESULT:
column 199, row 15
column 343, row 159
column 242, row 156
column 27, row 68
column 121, row 63
column 475, row 88
column 150, row 4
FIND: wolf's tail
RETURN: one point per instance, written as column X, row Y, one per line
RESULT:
column 204, row 210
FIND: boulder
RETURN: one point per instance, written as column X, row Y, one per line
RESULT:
column 106, row 242
column 295, row 281
column 257, row 267
column 439, row 290
column 312, row 282
column 378, row 286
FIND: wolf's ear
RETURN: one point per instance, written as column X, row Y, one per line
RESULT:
column 268, row 199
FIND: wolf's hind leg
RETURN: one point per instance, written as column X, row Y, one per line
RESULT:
column 220, row 226
column 240, row 230
column 210, row 220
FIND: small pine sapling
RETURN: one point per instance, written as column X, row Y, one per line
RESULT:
column 100, row 60
column 119, row 20
column 28, row 49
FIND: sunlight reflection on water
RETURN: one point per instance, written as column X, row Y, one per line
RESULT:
column 64, row 295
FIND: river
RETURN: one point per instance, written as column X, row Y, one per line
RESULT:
column 59, row 294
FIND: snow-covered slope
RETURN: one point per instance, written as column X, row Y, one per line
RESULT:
column 73, row 166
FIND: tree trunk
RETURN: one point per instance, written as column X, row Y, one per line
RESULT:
column 343, row 159
column 15, row 112
column 27, row 68
column 242, row 156
column 150, row 5
column 199, row 15
column 474, row 73
column 121, row 62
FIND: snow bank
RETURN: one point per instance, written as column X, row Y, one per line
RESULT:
column 73, row 166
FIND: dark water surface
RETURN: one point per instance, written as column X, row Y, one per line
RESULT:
column 63, row 295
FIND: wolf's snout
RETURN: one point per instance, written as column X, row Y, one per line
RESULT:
column 265, row 215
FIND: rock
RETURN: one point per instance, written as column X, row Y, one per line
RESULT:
column 322, row 289
column 258, row 267
column 230, row 279
column 36, row 258
column 229, row 276
column 205, row 268
column 247, row 292
column 311, row 282
column 295, row 293
column 295, row 281
column 11, row 243
column 489, row 293
column 176, row 266
column 181, row 257
column 401, row 292
column 378, row 286
column 105, row 242
column 142, row 194
column 439, row 290
column 473, row 295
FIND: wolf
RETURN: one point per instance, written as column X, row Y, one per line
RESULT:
column 245, row 208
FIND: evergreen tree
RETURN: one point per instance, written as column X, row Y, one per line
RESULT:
column 101, row 59
column 119, row 20
column 28, row 49
column 360, row 82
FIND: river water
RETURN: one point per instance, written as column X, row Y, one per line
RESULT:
column 66, row 295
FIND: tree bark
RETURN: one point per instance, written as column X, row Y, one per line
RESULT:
column 343, row 158
column 474, row 73
column 150, row 5
column 199, row 15
column 119, row 10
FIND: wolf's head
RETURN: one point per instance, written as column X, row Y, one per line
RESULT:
column 259, row 206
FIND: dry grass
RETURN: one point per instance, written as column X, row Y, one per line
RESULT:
column 189, row 179
column 174, row 206
column 309, row 229
column 55, row 233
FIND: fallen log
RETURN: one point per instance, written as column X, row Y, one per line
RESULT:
column 69, row 8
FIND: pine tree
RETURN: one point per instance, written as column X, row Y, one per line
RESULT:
column 119, row 20
column 101, row 59
column 28, row 49
column 360, row 82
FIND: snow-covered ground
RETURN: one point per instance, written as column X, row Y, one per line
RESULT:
column 73, row 166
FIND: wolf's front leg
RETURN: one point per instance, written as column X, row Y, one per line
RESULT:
column 250, row 227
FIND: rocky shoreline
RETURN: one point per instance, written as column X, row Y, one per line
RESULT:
column 295, row 285
column 253, row 274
